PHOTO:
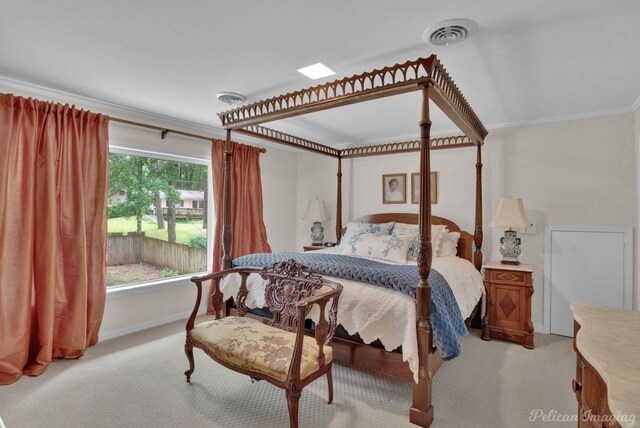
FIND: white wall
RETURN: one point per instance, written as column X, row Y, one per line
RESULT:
column 456, row 184
column 571, row 173
column 316, row 178
column 577, row 172
column 279, row 186
column 362, row 187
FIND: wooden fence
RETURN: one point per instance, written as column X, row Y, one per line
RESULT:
column 184, row 213
column 132, row 247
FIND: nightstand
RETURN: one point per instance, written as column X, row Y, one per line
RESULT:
column 508, row 313
column 312, row 247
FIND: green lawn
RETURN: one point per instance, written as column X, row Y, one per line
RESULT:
column 185, row 230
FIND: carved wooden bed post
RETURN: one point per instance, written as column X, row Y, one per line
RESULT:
column 339, row 203
column 227, row 231
column 421, row 412
column 477, row 233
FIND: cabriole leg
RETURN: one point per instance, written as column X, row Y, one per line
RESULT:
column 330, row 384
column 293, row 401
column 188, row 350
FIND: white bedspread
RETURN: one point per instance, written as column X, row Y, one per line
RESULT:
column 380, row 313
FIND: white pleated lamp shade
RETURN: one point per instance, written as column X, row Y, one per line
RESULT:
column 510, row 213
column 316, row 211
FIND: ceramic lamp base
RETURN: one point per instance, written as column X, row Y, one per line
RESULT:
column 510, row 248
column 317, row 233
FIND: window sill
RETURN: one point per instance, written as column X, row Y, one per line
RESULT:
column 115, row 292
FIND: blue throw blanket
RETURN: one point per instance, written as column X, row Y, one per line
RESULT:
column 446, row 320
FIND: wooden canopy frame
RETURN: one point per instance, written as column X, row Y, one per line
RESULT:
column 424, row 74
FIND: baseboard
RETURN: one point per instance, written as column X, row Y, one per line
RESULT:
column 540, row 328
column 146, row 325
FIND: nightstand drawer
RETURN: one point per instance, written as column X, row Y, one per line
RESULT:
column 507, row 277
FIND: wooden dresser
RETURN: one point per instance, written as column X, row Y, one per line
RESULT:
column 508, row 312
column 607, row 383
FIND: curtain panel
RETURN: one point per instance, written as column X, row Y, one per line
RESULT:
column 53, row 196
column 249, row 231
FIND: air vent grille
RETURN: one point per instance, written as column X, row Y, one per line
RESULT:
column 231, row 98
column 449, row 32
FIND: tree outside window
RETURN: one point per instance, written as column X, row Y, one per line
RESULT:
column 157, row 216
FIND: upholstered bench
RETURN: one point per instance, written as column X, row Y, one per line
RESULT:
column 249, row 344
column 278, row 352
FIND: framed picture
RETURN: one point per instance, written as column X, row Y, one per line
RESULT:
column 415, row 187
column 394, row 188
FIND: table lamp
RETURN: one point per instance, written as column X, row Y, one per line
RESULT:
column 510, row 214
column 316, row 212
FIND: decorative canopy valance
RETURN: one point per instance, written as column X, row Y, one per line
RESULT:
column 398, row 79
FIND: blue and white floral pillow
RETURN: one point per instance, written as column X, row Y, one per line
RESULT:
column 386, row 247
column 437, row 231
column 356, row 228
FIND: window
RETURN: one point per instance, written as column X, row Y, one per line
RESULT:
column 152, row 233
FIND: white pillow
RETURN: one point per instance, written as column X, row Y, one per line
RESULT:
column 386, row 247
column 356, row 228
column 448, row 244
column 405, row 229
column 412, row 229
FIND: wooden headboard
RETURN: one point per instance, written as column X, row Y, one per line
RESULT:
column 465, row 243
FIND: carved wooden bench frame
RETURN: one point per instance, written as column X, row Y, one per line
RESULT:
column 291, row 290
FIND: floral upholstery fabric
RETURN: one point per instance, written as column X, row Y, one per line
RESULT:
column 249, row 344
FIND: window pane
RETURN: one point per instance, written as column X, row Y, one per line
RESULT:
column 156, row 219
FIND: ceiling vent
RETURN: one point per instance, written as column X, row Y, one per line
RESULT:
column 231, row 98
column 448, row 32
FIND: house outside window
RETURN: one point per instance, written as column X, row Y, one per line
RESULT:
column 156, row 219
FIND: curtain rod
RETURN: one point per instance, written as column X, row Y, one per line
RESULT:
column 165, row 131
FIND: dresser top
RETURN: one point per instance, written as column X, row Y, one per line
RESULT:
column 609, row 339
column 497, row 265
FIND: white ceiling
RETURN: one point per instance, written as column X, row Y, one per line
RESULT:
column 530, row 61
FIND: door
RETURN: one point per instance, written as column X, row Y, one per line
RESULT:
column 587, row 265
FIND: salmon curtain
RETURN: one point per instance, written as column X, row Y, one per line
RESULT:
column 249, row 231
column 53, row 193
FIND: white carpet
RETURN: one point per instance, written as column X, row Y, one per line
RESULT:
column 137, row 381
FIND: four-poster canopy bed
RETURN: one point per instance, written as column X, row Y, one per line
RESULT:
column 428, row 76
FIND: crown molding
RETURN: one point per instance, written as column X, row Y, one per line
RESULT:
column 124, row 112
column 121, row 111
column 561, row 118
